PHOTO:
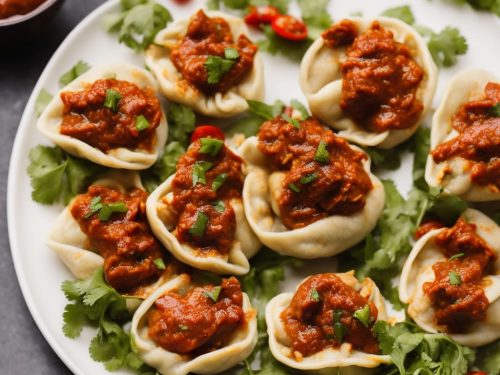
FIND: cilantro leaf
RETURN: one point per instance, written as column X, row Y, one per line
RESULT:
column 404, row 13
column 159, row 263
column 214, row 293
column 112, row 99
column 316, row 16
column 308, row 178
column 231, row 53
column 315, row 295
column 164, row 166
column 108, row 209
column 199, row 169
column 363, row 315
column 77, row 70
column 495, row 110
column 138, row 23
column 42, row 101
column 485, row 5
column 322, row 155
column 382, row 158
column 455, row 278
column 181, row 122
column 488, row 358
column 290, row 120
column 301, row 108
column 217, row 67
column 266, row 111
column 141, row 123
column 446, row 46
column 57, row 176
column 219, row 181
column 200, row 225
column 210, row 146
column 294, row 187
column 219, row 206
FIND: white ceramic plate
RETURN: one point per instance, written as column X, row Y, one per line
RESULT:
column 40, row 272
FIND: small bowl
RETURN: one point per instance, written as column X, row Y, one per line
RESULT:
column 29, row 26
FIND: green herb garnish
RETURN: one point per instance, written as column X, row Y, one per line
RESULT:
column 363, row 315
column 42, row 101
column 404, row 13
column 454, row 278
column 265, row 111
column 141, row 123
column 339, row 328
column 315, row 295
column 95, row 206
column 294, row 187
column 219, row 206
column 199, row 169
column 112, row 99
column 217, row 67
column 159, row 263
column 290, row 120
column 322, row 154
column 308, row 178
column 210, row 146
column 108, row 209
column 301, row 108
column 456, row 256
column 77, row 70
column 182, row 327
column 231, row 53
column 495, row 110
column 214, row 293
column 219, row 181
column 200, row 225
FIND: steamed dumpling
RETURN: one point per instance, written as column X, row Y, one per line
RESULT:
column 187, row 56
column 373, row 80
column 451, row 280
column 308, row 193
column 465, row 149
column 109, row 115
column 107, row 227
column 198, row 212
column 187, row 328
column 337, row 334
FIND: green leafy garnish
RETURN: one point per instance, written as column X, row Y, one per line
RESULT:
column 217, row 67
column 495, row 110
column 141, row 123
column 339, row 328
column 214, row 293
column 159, row 263
column 446, row 46
column 199, row 169
column 404, row 13
column 181, row 122
column 57, row 176
column 182, row 327
column 138, row 23
column 219, row 181
column 322, row 155
column 77, row 70
column 294, row 187
column 210, row 146
column 456, row 256
column 231, row 53
column 274, row 45
column 301, row 108
column 200, row 225
column 94, row 302
column 95, row 206
column 219, row 206
column 308, row 178
column 485, row 5
column 363, row 315
column 264, row 110
column 315, row 295
column 454, row 278
column 416, row 352
column 488, row 358
column 164, row 167
column 42, row 101
column 112, row 99
column 316, row 16
column 108, row 209
column 290, row 120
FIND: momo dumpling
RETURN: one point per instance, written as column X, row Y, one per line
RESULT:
column 451, row 280
column 184, row 327
column 372, row 80
column 465, row 138
column 328, row 324
column 198, row 212
column 308, row 193
column 208, row 63
column 110, row 115
column 107, row 227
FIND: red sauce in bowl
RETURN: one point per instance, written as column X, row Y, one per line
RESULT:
column 9, row 8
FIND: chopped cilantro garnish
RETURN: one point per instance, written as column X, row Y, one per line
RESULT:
column 210, row 146
column 214, row 293
column 495, row 110
column 231, row 53
column 200, row 225
column 42, row 100
column 95, row 206
column 339, row 328
column 264, row 110
column 301, row 108
column 219, row 181
column 199, row 169
column 322, row 154
column 456, row 256
column 404, row 13
column 363, row 315
column 77, row 70
column 159, row 263
column 290, row 120
column 183, row 327
column 219, row 206
column 108, row 209
column 294, row 187
column 216, row 68
column 308, row 178
column 454, row 278
column 141, row 123
column 315, row 295
column 112, row 99
column 316, row 16
column 446, row 46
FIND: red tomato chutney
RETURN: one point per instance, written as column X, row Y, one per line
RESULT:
column 324, row 175
column 116, row 227
column 205, row 183
column 9, row 8
column 380, row 78
column 210, row 38
column 478, row 140
column 112, row 113
column 321, row 315
column 198, row 322
column 456, row 293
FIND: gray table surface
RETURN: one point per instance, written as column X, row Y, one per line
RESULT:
column 24, row 350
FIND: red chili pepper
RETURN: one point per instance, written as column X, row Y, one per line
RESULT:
column 262, row 14
column 206, row 131
column 289, row 27
column 477, row 373
column 181, row 1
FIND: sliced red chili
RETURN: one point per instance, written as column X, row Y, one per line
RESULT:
column 262, row 14
column 206, row 131
column 290, row 28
